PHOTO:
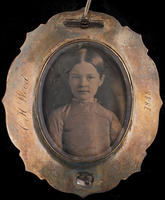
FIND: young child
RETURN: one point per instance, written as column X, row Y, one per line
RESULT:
column 84, row 127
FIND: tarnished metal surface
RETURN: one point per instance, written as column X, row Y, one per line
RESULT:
column 21, row 119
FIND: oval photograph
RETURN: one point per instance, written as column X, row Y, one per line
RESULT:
column 84, row 100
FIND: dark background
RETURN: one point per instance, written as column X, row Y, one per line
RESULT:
column 18, row 18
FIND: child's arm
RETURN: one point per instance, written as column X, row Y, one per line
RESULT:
column 56, row 127
column 115, row 128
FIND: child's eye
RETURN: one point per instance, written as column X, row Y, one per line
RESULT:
column 90, row 77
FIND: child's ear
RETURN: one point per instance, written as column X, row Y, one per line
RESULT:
column 101, row 80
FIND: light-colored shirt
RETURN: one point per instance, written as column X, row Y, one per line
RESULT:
column 84, row 129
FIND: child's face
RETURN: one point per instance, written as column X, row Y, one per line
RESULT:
column 84, row 81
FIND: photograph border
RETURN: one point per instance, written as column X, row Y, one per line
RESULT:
column 39, row 111
column 21, row 114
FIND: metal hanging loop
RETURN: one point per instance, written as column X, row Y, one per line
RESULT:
column 84, row 22
column 86, row 10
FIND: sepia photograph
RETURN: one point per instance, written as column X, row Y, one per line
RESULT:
column 85, row 97
column 64, row 103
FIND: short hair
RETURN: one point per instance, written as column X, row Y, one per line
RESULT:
column 92, row 57
column 76, row 56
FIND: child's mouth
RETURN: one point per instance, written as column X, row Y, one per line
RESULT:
column 83, row 91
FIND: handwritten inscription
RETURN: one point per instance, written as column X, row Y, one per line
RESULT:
column 148, row 99
column 21, row 95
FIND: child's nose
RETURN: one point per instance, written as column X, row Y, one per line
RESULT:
column 83, row 81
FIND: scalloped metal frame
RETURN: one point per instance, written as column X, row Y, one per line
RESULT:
column 20, row 97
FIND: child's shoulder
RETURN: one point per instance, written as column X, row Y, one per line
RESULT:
column 104, row 112
column 61, row 111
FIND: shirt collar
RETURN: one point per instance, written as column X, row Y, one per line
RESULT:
column 92, row 100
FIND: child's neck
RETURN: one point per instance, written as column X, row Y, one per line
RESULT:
column 91, row 100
